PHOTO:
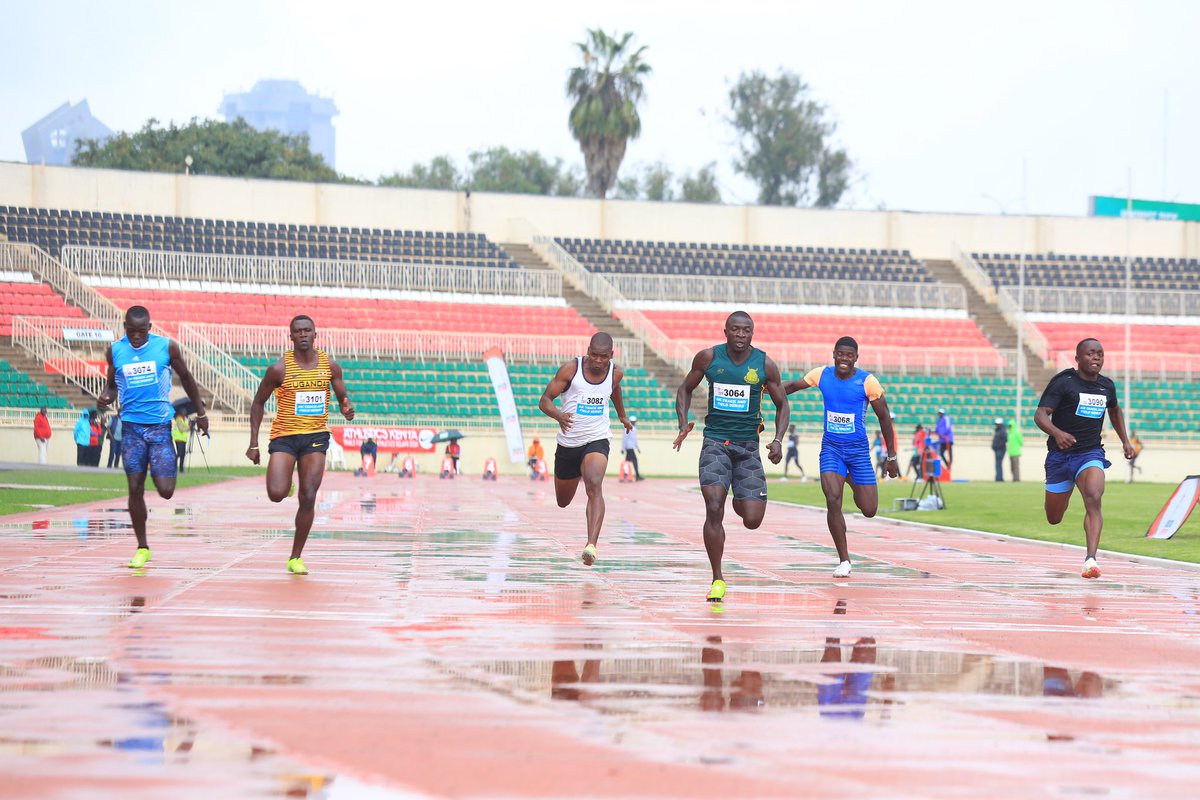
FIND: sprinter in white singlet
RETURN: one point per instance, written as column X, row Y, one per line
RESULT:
column 588, row 386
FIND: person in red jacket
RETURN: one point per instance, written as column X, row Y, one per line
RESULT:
column 42, row 434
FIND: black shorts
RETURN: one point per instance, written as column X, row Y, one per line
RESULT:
column 300, row 444
column 568, row 461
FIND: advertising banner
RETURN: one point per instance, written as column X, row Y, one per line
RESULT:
column 1176, row 510
column 1101, row 206
column 498, row 370
column 389, row 439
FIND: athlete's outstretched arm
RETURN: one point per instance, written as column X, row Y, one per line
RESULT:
column 774, row 387
column 683, row 395
column 558, row 384
column 271, row 381
column 189, row 385
column 1117, row 417
column 339, row 390
column 617, row 400
column 889, row 435
column 109, row 395
column 791, row 387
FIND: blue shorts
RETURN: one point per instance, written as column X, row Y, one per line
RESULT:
column 150, row 446
column 1063, row 468
column 852, row 459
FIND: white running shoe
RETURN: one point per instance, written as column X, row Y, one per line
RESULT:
column 843, row 570
column 1090, row 568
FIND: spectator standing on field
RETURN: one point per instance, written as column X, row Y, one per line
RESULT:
column 1015, row 440
column 1000, row 447
column 945, row 434
column 82, row 434
column 629, row 444
column 114, row 441
column 42, row 434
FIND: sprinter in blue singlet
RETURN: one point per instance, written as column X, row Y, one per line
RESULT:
column 139, row 376
column 845, row 451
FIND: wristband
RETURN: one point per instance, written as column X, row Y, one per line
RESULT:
column 892, row 458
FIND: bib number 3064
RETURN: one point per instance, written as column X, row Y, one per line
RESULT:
column 731, row 397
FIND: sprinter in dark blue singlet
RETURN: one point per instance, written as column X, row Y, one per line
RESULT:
column 1071, row 414
column 139, row 375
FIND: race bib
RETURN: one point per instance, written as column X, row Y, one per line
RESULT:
column 731, row 397
column 592, row 407
column 310, row 404
column 1091, row 406
column 836, row 422
column 140, row 373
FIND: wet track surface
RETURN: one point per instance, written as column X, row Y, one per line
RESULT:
column 449, row 643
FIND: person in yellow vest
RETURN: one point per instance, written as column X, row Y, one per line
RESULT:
column 301, row 382
column 179, row 435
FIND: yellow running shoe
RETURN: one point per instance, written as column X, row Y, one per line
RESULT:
column 296, row 566
column 589, row 555
column 717, row 593
column 139, row 558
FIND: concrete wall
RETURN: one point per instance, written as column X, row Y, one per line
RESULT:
column 500, row 216
column 973, row 457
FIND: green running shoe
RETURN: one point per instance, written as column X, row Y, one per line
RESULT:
column 139, row 558
column 296, row 566
column 717, row 593
column 292, row 490
column 589, row 555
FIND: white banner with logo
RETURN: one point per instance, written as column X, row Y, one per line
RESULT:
column 1176, row 510
column 87, row 334
column 498, row 370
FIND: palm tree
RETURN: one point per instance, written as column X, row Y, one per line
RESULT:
column 606, row 91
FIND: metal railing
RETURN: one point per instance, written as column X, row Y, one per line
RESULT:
column 789, row 291
column 975, row 274
column 229, row 382
column 892, row 361
column 1068, row 300
column 1035, row 340
column 1142, row 366
column 29, row 258
column 268, row 272
column 610, row 298
column 347, row 343
column 42, row 338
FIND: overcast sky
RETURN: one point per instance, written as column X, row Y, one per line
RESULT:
column 938, row 103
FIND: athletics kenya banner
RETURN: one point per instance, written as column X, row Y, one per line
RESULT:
column 390, row 440
column 498, row 370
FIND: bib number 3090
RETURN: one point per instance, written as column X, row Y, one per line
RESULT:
column 1091, row 405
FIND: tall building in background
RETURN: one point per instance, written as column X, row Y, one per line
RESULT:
column 284, row 106
column 51, row 140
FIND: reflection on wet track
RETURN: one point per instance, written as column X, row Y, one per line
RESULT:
column 448, row 643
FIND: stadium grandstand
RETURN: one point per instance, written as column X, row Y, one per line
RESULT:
column 409, row 309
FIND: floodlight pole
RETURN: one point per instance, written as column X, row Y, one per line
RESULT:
column 1021, row 295
column 1128, row 297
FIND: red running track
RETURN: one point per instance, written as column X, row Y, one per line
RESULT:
column 449, row 644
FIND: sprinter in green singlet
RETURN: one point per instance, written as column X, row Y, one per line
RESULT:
column 737, row 375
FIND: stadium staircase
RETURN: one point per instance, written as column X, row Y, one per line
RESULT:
column 666, row 375
column 214, row 370
column 993, row 324
column 35, row 369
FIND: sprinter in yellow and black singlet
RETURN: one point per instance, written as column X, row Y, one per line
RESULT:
column 301, row 381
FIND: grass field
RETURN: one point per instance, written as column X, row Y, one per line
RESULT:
column 1016, row 509
column 84, row 487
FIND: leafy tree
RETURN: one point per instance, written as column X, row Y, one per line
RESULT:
column 231, row 149
column 440, row 173
column 784, row 141
column 526, row 172
column 606, row 89
column 701, row 187
column 657, row 182
column 496, row 169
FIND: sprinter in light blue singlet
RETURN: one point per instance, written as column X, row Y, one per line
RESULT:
column 847, row 391
column 140, row 366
